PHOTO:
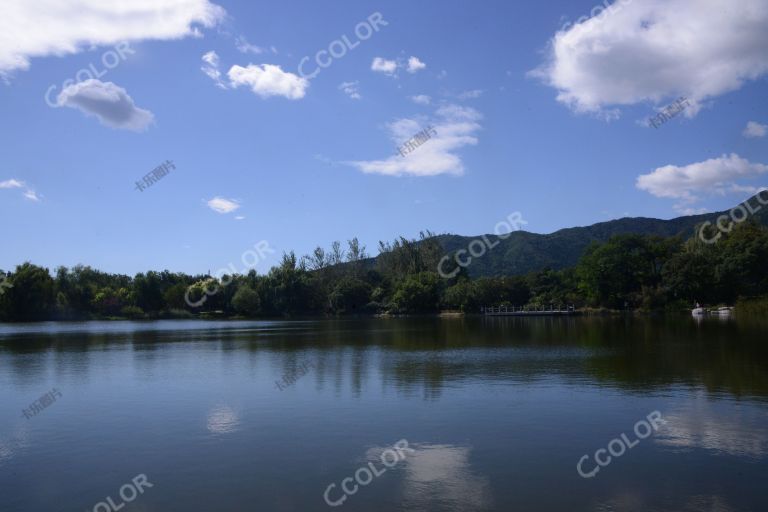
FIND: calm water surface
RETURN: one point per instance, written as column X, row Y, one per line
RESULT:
column 497, row 412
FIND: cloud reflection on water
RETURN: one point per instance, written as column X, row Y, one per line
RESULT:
column 440, row 477
column 223, row 419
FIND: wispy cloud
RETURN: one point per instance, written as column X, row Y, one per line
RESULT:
column 223, row 205
column 455, row 126
column 243, row 46
column 11, row 184
column 421, row 99
column 31, row 195
column 470, row 95
column 211, row 68
column 28, row 193
column 351, row 89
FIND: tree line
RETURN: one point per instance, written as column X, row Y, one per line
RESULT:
column 626, row 272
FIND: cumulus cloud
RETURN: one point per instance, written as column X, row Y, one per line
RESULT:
column 687, row 184
column 755, row 130
column 381, row 65
column 51, row 27
column 421, row 99
column 268, row 80
column 223, row 205
column 454, row 128
column 351, row 89
column 107, row 102
column 14, row 184
column 414, row 65
column 390, row 67
column 653, row 50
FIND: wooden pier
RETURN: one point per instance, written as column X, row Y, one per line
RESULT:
column 528, row 311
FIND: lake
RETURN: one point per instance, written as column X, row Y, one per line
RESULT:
column 419, row 414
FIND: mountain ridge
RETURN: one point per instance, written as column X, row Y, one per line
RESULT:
column 523, row 252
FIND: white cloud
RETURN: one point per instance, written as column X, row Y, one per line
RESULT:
column 654, row 50
column 240, row 217
column 755, row 130
column 351, row 89
column 31, row 195
column 223, row 205
column 385, row 66
column 421, row 99
column 440, row 477
column 414, row 65
column 40, row 28
column 268, row 80
column 717, row 176
column 455, row 128
column 13, row 183
column 243, row 46
column 211, row 68
column 109, row 103
column 473, row 94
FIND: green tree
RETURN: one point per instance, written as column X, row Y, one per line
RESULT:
column 246, row 301
column 418, row 293
column 32, row 296
column 350, row 295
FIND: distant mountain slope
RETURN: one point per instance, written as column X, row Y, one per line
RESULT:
column 524, row 252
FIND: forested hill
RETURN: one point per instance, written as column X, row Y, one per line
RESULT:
column 524, row 252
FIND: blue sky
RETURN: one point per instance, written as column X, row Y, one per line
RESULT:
column 529, row 115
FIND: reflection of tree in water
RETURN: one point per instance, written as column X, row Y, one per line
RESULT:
column 421, row 355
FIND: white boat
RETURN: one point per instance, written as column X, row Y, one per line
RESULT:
column 699, row 312
column 721, row 311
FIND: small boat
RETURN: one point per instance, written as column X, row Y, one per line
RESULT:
column 721, row 311
column 698, row 310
